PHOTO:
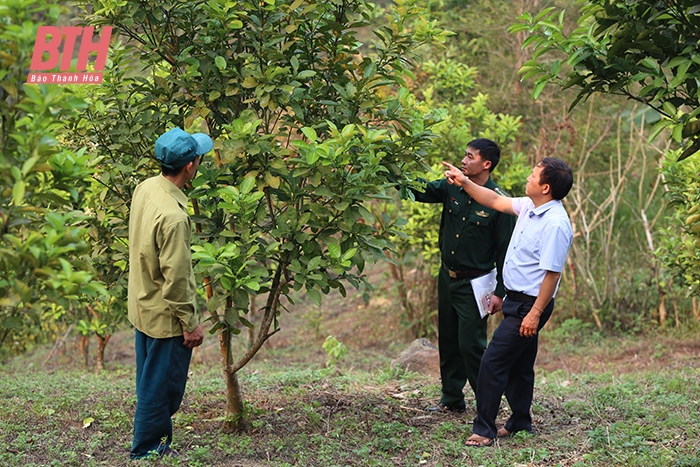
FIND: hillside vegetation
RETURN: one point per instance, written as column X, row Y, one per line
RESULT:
column 598, row 402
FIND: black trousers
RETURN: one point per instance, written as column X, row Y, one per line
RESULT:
column 507, row 367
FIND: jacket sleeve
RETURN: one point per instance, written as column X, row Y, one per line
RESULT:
column 175, row 260
column 434, row 192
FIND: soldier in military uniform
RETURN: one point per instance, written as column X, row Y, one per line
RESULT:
column 473, row 239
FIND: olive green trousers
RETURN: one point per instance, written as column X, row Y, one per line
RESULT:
column 461, row 338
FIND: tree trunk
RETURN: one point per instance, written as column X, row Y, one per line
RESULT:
column 662, row 310
column 233, row 413
column 60, row 344
column 675, row 312
column 251, row 318
column 84, row 344
column 101, row 345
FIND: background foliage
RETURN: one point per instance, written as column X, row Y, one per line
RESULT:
column 46, row 278
column 306, row 101
column 647, row 52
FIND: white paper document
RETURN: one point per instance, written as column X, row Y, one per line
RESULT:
column 483, row 287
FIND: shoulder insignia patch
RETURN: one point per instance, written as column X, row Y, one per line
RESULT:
column 500, row 191
column 482, row 213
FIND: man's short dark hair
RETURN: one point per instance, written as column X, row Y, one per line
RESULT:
column 557, row 174
column 488, row 150
column 171, row 172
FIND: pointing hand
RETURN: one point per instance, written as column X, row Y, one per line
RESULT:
column 453, row 174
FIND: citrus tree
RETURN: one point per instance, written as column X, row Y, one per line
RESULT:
column 45, row 273
column 310, row 126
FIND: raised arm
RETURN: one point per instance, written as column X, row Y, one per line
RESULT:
column 482, row 195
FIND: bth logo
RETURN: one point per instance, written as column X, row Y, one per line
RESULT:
column 49, row 39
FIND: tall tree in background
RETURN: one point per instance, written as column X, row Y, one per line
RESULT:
column 648, row 52
column 450, row 86
column 613, row 279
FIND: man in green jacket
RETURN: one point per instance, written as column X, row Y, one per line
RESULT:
column 473, row 240
column 162, row 290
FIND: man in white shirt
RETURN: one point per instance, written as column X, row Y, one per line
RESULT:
column 533, row 265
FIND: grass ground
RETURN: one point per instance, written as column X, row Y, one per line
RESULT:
column 598, row 402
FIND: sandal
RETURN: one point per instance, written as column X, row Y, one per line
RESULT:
column 503, row 433
column 478, row 441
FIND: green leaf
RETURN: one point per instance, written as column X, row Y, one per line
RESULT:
column 531, row 40
column 658, row 128
column 253, row 285
column 314, row 263
column 312, row 156
column 370, row 71
column 231, row 316
column 28, row 165
column 18, row 190
column 677, row 132
column 538, row 89
column 249, row 82
column 271, row 180
column 310, row 133
column 650, row 63
column 681, row 74
column 669, row 108
column 690, row 150
column 349, row 254
column 247, row 185
column 246, row 323
column 314, row 295
column 676, row 61
column 220, row 62
column 334, row 250
column 366, row 215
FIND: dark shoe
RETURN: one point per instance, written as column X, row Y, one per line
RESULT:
column 442, row 408
column 503, row 433
column 167, row 452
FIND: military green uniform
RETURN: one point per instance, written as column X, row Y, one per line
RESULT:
column 473, row 239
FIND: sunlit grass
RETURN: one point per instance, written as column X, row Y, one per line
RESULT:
column 337, row 417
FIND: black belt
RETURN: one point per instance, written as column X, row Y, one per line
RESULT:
column 519, row 296
column 464, row 274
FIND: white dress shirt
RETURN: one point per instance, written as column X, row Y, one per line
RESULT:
column 540, row 243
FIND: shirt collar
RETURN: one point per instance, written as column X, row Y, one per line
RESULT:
column 173, row 191
column 540, row 210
